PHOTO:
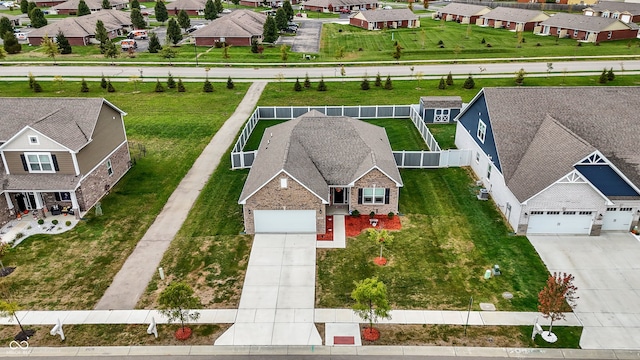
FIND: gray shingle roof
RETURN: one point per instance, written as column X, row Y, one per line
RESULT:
column 539, row 133
column 513, row 14
column 186, row 5
column 388, row 15
column 83, row 26
column 580, row 22
column 240, row 23
column 338, row 3
column 434, row 102
column 464, row 9
column 93, row 4
column 68, row 121
column 45, row 182
column 614, row 6
column 320, row 151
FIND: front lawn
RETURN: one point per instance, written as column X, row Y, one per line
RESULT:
column 445, row 135
column 437, row 261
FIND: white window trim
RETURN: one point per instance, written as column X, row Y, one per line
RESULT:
column 38, row 154
column 482, row 131
column 477, row 157
column 109, row 167
column 489, row 171
column 283, row 183
column 441, row 115
column 373, row 196
column 33, row 140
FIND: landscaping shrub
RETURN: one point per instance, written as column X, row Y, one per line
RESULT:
column 84, row 87
column 297, row 86
column 355, row 213
column 469, row 83
column 171, row 83
column 372, row 215
column 181, row 86
column 54, row 222
column 110, row 87
column 322, row 86
column 40, row 221
column 68, row 223
column 391, row 215
column 230, row 84
column 159, row 88
column 208, row 87
column 364, row 85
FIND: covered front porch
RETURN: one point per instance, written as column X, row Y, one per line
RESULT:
column 41, row 204
column 339, row 200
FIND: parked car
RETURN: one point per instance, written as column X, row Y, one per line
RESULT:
column 387, row 7
column 138, row 34
column 226, row 11
column 345, row 11
column 127, row 44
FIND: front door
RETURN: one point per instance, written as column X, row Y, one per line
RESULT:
column 340, row 196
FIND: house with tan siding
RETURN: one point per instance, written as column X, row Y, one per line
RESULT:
column 513, row 19
column 64, row 152
column 191, row 7
column 586, row 28
column 239, row 28
column 624, row 11
column 317, row 164
column 462, row 13
column 385, row 19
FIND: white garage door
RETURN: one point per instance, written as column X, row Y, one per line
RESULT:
column 284, row 221
column 617, row 219
column 560, row 224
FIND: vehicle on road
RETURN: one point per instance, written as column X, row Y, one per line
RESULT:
column 127, row 44
column 138, row 34
column 387, row 7
column 226, row 11
column 345, row 11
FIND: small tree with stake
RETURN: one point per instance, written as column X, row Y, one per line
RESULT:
column 175, row 303
column 382, row 238
column 557, row 297
column 10, row 309
column 371, row 303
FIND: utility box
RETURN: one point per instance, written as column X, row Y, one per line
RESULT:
column 483, row 194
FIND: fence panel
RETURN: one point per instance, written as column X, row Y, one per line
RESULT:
column 266, row 112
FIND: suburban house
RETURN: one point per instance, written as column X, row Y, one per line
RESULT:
column 440, row 109
column 48, row 3
column 59, row 155
column 513, row 19
column 623, row 11
column 239, row 28
column 71, row 7
column 339, row 5
column 191, row 7
column 80, row 30
column 15, row 20
column 587, row 28
column 259, row 3
column 462, row 13
column 385, row 19
column 315, row 164
column 568, row 2
column 554, row 166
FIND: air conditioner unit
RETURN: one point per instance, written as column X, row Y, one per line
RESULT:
column 483, row 195
column 478, row 182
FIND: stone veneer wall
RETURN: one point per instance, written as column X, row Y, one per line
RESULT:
column 5, row 215
column 293, row 197
column 98, row 183
column 375, row 178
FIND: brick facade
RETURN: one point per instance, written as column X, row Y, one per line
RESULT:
column 294, row 197
column 375, row 178
column 5, row 214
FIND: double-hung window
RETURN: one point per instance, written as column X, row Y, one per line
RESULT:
column 39, row 162
column 373, row 195
column 482, row 131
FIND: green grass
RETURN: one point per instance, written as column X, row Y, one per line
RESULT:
column 445, row 135
column 438, row 259
column 256, row 135
column 72, row 270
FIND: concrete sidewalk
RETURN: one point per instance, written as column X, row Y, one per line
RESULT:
column 134, row 276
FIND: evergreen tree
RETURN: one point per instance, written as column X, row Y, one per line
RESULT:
column 154, row 43
column 288, row 9
column 37, row 18
column 32, row 80
column 5, row 26
column 101, row 35
column 610, row 75
column 83, row 8
column 270, row 31
column 218, row 6
column 364, row 85
column 519, row 80
column 181, row 86
column 397, row 52
column 106, row 4
column 135, row 4
column 281, row 19
column 137, row 19
column 442, row 85
column 183, row 20
column 307, row 82
column 297, row 86
column 387, row 84
column 30, row 6
column 161, row 11
column 36, row 87
column 469, row 83
column 321, row 85
column 103, row 83
column 230, row 84
column 24, row 6
column 171, row 84
column 603, row 77
column 110, row 87
column 378, row 82
column 208, row 87
column 210, row 12
column 236, row 2
column 84, row 87
column 254, row 46
column 173, row 32
column 449, row 79
column 63, row 44
column 11, row 44
column 159, row 87
column 111, row 50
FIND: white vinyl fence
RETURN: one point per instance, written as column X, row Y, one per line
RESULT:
column 434, row 158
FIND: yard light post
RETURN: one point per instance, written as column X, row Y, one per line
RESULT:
column 195, row 50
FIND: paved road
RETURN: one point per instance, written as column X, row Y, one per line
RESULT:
column 353, row 73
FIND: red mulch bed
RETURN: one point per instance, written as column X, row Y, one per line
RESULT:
column 355, row 225
column 328, row 236
column 183, row 335
column 380, row 261
column 370, row 334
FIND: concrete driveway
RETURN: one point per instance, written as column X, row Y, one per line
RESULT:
column 607, row 274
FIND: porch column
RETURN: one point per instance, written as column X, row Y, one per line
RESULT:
column 74, row 203
column 38, row 198
column 9, row 202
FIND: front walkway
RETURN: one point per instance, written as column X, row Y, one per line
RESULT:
column 134, row 276
column 16, row 230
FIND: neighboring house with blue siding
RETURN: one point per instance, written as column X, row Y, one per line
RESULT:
column 555, row 166
column 440, row 109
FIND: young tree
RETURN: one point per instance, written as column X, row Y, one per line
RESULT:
column 49, row 47
column 442, row 84
column 63, row 44
column 36, row 87
column 3, row 54
column 321, row 85
column 230, row 84
column 173, row 32
column 161, row 11
column 225, row 51
column 110, row 87
column 397, row 52
column 307, row 82
column 83, row 8
column 388, row 85
column 176, row 302
column 24, row 6
column 425, row 4
column 106, row 4
column 371, row 303
column 171, row 83
column 270, row 30
column 469, row 83
column 5, row 26
column 364, row 85
column 159, row 88
column 37, row 18
column 154, row 43
column 557, row 297
column 281, row 19
column 135, row 4
column 449, row 79
column 10, row 309
column 207, row 87
column 217, row 4
column 103, row 82
column 102, row 36
column 210, row 12
column 254, row 46
column 288, row 9
column 610, row 75
column 11, row 44
column 137, row 19
column 168, row 53
column 520, row 76
column 284, row 55
column 84, row 87
column 181, row 87
column 382, row 238
column 378, row 82
column 111, row 51
column 297, row 86
column 603, row 77
column 183, row 20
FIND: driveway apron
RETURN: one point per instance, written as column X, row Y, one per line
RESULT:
column 607, row 274
column 277, row 301
column 134, row 276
